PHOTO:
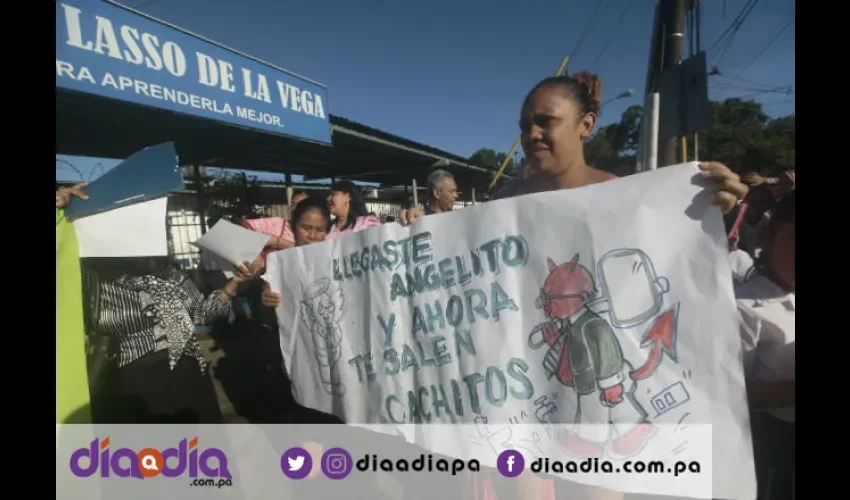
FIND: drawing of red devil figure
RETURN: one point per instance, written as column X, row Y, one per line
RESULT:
column 584, row 353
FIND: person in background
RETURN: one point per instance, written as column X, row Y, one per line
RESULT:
column 309, row 221
column 286, row 239
column 277, row 228
column 760, row 201
column 557, row 117
column 742, row 264
column 766, row 305
column 785, row 182
column 254, row 377
column 777, row 186
column 504, row 189
column 348, row 207
column 297, row 197
column 442, row 192
column 150, row 308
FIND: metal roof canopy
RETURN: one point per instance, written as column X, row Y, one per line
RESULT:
column 88, row 125
column 275, row 193
column 100, row 121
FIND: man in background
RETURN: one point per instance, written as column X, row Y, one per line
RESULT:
column 442, row 192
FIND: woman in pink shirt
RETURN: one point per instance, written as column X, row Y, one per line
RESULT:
column 348, row 207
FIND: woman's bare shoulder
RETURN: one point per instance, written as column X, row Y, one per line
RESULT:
column 602, row 176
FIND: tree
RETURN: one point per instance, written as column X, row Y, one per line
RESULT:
column 783, row 137
column 613, row 148
column 232, row 197
column 488, row 158
column 743, row 137
column 628, row 130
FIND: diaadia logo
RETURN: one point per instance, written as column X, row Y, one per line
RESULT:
column 150, row 462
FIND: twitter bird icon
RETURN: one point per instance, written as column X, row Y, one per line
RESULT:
column 296, row 463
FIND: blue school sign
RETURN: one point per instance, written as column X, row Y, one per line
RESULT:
column 108, row 50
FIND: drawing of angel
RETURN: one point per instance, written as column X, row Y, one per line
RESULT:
column 322, row 309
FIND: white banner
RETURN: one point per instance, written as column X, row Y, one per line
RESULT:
column 611, row 304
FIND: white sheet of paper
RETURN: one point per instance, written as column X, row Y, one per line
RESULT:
column 132, row 231
column 231, row 243
column 212, row 262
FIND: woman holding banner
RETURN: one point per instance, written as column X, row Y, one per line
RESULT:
column 557, row 117
column 310, row 220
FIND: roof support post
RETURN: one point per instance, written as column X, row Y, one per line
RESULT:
column 289, row 192
column 200, row 198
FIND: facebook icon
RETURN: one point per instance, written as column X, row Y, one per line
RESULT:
column 510, row 463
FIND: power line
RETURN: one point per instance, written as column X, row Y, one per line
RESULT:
column 615, row 33
column 728, row 29
column 735, row 22
column 777, row 102
column 786, row 90
column 786, row 23
column 732, row 87
column 736, row 27
column 727, row 87
column 749, row 82
column 588, row 28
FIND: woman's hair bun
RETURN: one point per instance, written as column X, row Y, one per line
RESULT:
column 593, row 85
column 583, row 88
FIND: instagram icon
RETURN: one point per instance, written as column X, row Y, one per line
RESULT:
column 336, row 463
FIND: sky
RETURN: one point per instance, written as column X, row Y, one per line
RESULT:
column 452, row 74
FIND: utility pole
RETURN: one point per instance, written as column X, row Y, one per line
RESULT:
column 673, row 29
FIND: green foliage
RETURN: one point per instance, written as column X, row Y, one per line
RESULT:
column 232, row 196
column 612, row 148
column 741, row 135
column 488, row 158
